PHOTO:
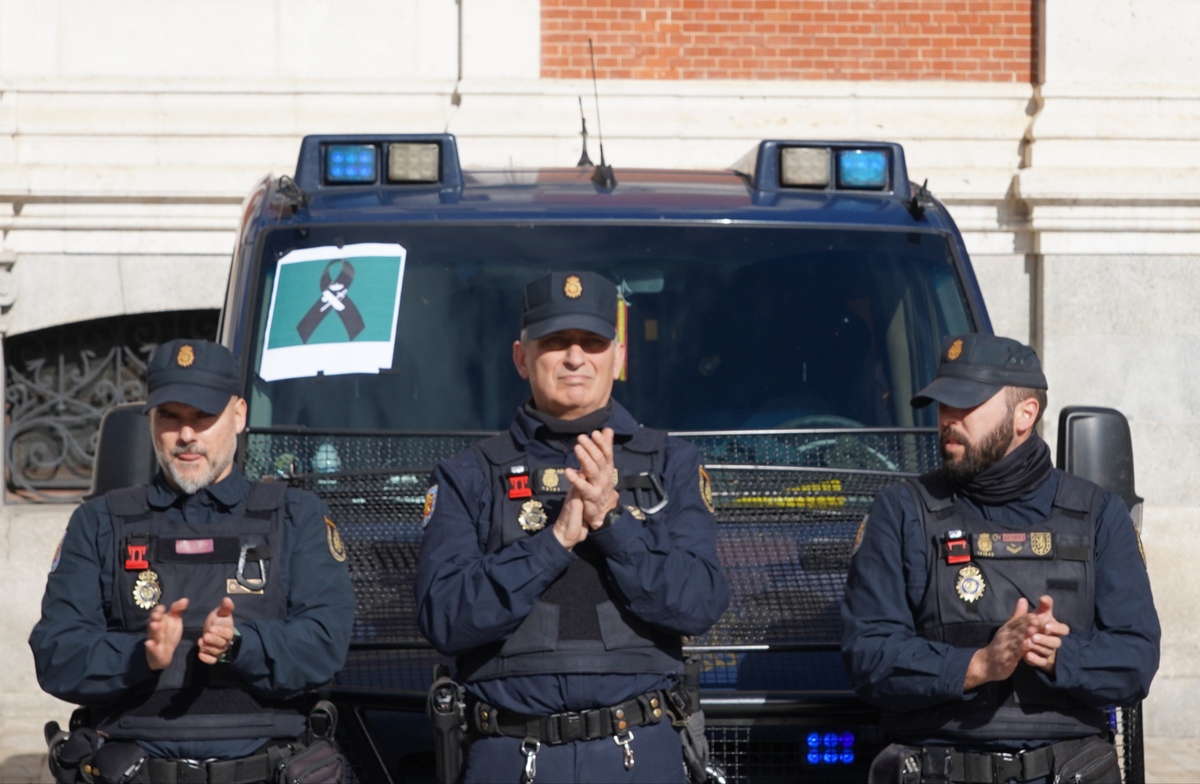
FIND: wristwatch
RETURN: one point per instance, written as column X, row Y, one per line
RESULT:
column 611, row 517
column 235, row 645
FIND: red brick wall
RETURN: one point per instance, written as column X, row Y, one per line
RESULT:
column 977, row 40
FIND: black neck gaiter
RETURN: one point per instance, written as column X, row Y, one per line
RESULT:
column 1018, row 473
column 565, row 430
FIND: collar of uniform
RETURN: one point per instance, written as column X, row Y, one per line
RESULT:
column 525, row 427
column 228, row 492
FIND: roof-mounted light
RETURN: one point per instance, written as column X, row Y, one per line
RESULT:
column 413, row 161
column 863, row 169
column 351, row 164
column 804, row 167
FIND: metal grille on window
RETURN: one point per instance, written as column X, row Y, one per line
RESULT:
column 60, row 381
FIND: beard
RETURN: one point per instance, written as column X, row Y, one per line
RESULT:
column 976, row 457
column 217, row 463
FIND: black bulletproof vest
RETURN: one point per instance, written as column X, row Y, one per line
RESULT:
column 576, row 626
column 159, row 560
column 980, row 568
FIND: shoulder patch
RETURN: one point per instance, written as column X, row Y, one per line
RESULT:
column 858, row 537
column 337, row 548
column 706, row 489
column 430, row 505
column 58, row 554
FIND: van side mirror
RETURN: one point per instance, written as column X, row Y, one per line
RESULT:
column 1094, row 443
column 124, row 452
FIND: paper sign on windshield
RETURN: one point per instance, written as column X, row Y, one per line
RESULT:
column 333, row 311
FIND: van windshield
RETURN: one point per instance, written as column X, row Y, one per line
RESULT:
column 728, row 327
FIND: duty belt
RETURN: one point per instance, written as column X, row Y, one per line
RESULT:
column 559, row 728
column 945, row 764
column 245, row 770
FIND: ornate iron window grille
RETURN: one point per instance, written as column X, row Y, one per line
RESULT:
column 61, row 381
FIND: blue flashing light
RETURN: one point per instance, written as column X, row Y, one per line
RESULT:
column 847, row 739
column 830, row 739
column 351, row 163
column 847, row 757
column 814, row 758
column 829, row 757
column 862, row 169
column 814, row 740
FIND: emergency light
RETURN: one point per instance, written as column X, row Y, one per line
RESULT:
column 779, row 165
column 830, row 748
column 386, row 160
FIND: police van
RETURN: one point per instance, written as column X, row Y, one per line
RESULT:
column 779, row 314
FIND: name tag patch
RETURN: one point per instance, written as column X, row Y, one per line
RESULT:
column 1014, row 544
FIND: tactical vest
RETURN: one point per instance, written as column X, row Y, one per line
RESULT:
column 980, row 568
column 159, row 560
column 578, row 625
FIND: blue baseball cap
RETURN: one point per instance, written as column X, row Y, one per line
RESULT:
column 198, row 373
column 570, row 300
column 976, row 366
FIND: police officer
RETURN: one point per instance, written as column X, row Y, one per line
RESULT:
column 192, row 617
column 995, row 607
column 563, row 560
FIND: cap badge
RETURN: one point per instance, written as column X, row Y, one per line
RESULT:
column 970, row 585
column 955, row 350
column 185, row 357
column 573, row 287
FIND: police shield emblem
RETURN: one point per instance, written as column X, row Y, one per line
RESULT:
column 970, row 585
column 147, row 591
column 533, row 516
column 337, row 548
column 1040, row 541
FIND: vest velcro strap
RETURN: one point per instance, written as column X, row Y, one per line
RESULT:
column 1074, row 553
column 266, row 496
column 561, row 728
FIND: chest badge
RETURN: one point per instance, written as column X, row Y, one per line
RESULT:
column 970, row 585
column 147, row 591
column 532, row 517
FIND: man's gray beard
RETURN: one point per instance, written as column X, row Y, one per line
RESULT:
column 978, row 458
column 192, row 486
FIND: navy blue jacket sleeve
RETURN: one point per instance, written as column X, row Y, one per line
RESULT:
column 666, row 567
column 889, row 663
column 283, row 658
column 1114, row 662
column 466, row 598
column 76, row 656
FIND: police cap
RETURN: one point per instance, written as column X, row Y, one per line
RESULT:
column 198, row 373
column 570, row 300
column 976, row 366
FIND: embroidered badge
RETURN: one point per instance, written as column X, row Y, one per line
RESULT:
column 970, row 585
column 185, row 357
column 57, row 554
column 337, row 548
column 551, row 478
column 983, row 545
column 706, row 489
column 573, row 287
column 1041, row 542
column 858, row 537
column 955, row 350
column 430, row 505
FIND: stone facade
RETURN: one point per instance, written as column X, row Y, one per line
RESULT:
column 124, row 157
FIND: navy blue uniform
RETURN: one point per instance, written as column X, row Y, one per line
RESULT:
column 79, row 659
column 664, row 571
column 898, row 670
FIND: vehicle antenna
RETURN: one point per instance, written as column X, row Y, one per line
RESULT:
column 603, row 175
column 584, row 160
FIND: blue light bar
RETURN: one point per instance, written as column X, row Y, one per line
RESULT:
column 862, row 169
column 351, row 163
column 830, row 748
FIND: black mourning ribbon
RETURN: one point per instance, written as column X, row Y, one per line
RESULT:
column 333, row 297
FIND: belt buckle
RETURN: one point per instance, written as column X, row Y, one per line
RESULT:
column 191, row 771
column 1006, row 766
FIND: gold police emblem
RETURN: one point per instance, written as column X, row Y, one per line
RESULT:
column 337, row 548
column 532, row 517
column 1040, row 542
column 573, row 287
column 983, row 545
column 706, row 489
column 185, row 357
column 955, row 350
column 970, row 585
column 147, row 591
column 550, row 479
